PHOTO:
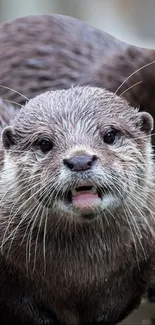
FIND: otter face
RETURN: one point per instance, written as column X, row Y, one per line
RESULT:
column 80, row 153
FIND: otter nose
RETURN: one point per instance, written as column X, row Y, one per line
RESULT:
column 80, row 163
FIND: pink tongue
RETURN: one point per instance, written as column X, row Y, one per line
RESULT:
column 85, row 200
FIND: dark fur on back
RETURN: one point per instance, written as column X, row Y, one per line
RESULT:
column 40, row 53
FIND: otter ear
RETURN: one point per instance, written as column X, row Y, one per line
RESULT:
column 145, row 122
column 8, row 137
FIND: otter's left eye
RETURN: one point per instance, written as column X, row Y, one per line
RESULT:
column 45, row 145
column 110, row 136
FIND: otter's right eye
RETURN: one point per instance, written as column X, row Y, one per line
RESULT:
column 45, row 145
column 110, row 136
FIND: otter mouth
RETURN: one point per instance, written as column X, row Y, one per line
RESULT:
column 85, row 196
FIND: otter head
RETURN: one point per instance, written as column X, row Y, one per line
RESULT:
column 76, row 155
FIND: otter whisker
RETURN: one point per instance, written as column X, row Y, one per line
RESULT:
column 44, row 240
column 31, row 226
column 13, row 234
column 28, row 191
column 139, row 186
column 137, row 83
column 14, row 231
column 18, row 207
column 143, row 217
column 11, row 102
column 32, row 213
column 15, row 91
column 13, row 217
column 132, row 74
column 41, row 217
column 133, row 236
column 137, row 230
column 138, row 178
column 140, row 200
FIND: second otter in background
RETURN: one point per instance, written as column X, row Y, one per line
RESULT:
column 40, row 53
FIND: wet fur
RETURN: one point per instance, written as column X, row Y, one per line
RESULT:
column 81, row 55
column 83, row 271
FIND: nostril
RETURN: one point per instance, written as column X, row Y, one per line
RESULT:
column 68, row 163
column 94, row 158
column 91, row 160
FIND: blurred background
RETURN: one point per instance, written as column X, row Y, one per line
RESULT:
column 130, row 20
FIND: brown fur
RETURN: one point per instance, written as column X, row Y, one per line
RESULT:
column 38, row 53
column 84, row 270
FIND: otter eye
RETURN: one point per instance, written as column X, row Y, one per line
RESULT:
column 45, row 145
column 110, row 136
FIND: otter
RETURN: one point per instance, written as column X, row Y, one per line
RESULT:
column 77, row 230
column 40, row 53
